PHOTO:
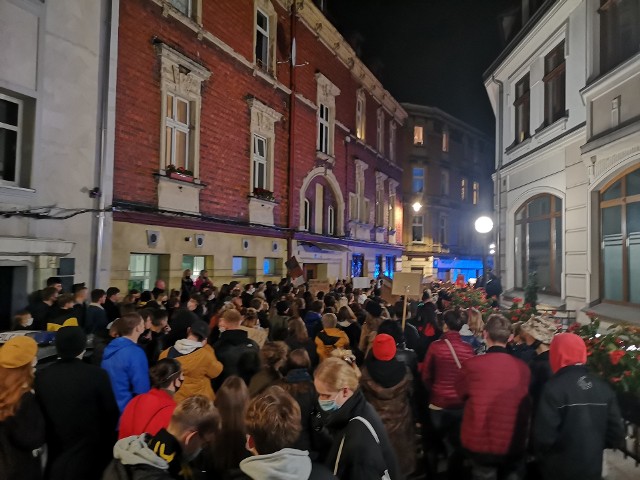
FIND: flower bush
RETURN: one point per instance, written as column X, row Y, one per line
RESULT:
column 263, row 194
column 179, row 170
column 614, row 355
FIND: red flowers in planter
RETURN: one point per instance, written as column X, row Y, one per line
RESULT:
column 616, row 356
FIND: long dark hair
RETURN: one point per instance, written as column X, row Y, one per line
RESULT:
column 228, row 447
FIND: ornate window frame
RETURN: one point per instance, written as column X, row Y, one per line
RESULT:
column 266, row 8
column 263, row 121
column 326, row 95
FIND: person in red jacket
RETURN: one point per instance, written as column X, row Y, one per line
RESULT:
column 150, row 412
column 439, row 372
column 497, row 408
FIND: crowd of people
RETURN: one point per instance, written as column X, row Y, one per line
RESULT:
column 269, row 381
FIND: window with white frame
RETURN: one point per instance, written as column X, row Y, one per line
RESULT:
column 445, row 140
column 417, row 234
column 186, row 7
column 380, row 130
column 323, row 129
column 380, row 211
column 263, row 120
column 181, row 85
column 475, row 193
column 259, row 162
column 359, row 205
column 306, row 212
column 444, row 182
column 418, row 135
column 417, row 184
column 331, row 220
column 463, row 189
column 554, row 84
column 262, row 40
column 361, row 114
column 326, row 101
column 392, row 140
column 143, row 271
column 177, row 133
column 619, row 32
column 11, row 111
column 392, row 210
column 442, row 230
column 265, row 22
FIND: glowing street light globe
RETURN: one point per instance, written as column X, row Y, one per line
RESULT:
column 492, row 252
column 484, row 225
column 416, row 207
column 493, row 245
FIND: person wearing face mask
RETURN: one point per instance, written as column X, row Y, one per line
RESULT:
column 198, row 360
column 80, row 411
column 151, row 411
column 167, row 454
column 22, row 321
column 22, row 425
column 360, row 449
column 247, row 295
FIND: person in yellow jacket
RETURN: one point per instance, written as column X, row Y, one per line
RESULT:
column 330, row 337
column 198, row 360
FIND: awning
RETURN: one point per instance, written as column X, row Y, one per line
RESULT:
column 318, row 247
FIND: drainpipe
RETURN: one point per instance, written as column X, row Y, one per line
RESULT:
column 110, row 12
column 497, row 188
column 292, row 113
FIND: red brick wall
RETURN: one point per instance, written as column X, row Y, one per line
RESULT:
column 225, row 118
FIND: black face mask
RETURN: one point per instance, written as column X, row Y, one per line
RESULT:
column 178, row 387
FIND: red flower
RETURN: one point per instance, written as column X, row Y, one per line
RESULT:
column 517, row 300
column 627, row 373
column 616, row 356
column 591, row 314
column 615, row 379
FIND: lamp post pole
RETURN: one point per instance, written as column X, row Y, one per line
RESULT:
column 483, row 226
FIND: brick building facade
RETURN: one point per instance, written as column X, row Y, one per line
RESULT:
column 235, row 149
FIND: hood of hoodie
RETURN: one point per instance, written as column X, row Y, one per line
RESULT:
column 117, row 345
column 135, row 451
column 465, row 331
column 286, row 464
column 567, row 349
column 186, row 346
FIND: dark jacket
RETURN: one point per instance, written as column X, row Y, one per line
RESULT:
column 40, row 312
column 388, row 389
column 186, row 289
column 540, row 375
column 577, row 418
column 495, row 388
column 313, row 322
column 309, row 346
column 440, row 372
column 81, row 418
column 361, row 458
column 95, row 319
column 299, row 384
column 126, row 364
column 112, row 310
column 20, row 435
column 238, row 355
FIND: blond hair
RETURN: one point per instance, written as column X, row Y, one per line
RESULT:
column 339, row 372
column 329, row 320
column 475, row 321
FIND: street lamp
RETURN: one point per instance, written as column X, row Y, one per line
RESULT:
column 416, row 207
column 483, row 226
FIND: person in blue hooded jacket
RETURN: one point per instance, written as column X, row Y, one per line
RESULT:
column 126, row 362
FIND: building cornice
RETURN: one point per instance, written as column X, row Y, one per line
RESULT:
column 318, row 24
column 434, row 112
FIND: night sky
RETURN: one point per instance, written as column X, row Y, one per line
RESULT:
column 429, row 52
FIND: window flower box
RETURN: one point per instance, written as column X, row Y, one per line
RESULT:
column 264, row 194
column 179, row 173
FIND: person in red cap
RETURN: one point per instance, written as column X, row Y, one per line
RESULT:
column 387, row 385
column 578, row 415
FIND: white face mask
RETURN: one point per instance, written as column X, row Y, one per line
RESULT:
column 29, row 322
column 222, row 329
column 251, row 291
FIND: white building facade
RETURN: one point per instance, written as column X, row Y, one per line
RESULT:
column 566, row 95
column 54, row 144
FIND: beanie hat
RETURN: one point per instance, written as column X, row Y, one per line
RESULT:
column 567, row 349
column 541, row 328
column 70, row 342
column 18, row 352
column 200, row 328
column 384, row 347
column 373, row 308
column 282, row 306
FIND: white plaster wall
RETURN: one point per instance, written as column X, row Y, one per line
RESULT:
column 51, row 53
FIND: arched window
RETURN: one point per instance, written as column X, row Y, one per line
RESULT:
column 538, row 243
column 620, row 238
column 306, row 214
